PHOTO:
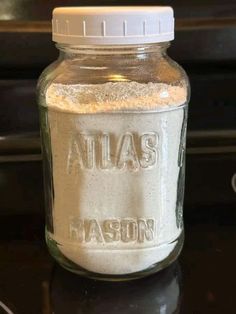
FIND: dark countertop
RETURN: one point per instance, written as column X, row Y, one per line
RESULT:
column 203, row 281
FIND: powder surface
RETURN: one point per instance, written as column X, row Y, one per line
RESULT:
column 114, row 96
column 116, row 174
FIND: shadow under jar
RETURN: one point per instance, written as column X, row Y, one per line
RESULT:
column 113, row 112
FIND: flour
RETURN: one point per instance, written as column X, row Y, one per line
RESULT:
column 115, row 174
column 114, row 96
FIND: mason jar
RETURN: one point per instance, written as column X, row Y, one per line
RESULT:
column 113, row 112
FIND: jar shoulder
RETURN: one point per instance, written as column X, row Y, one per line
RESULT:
column 114, row 68
column 119, row 69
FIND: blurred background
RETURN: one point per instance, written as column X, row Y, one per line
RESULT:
column 205, row 46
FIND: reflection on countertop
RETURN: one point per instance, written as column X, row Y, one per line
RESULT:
column 155, row 294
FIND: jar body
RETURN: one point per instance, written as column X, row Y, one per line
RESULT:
column 113, row 131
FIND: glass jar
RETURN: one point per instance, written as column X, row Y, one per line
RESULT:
column 113, row 112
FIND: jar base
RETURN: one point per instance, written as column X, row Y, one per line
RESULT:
column 54, row 249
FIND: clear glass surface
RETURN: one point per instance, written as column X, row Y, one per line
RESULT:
column 114, row 175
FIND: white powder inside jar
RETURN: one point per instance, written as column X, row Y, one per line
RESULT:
column 114, row 96
column 115, row 174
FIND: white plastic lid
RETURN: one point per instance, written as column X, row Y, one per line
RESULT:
column 113, row 25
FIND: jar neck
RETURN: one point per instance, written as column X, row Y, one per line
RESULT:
column 73, row 51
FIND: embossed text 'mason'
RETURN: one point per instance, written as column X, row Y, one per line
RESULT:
column 104, row 151
column 112, row 230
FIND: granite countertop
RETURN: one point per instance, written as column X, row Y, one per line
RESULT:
column 202, row 281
